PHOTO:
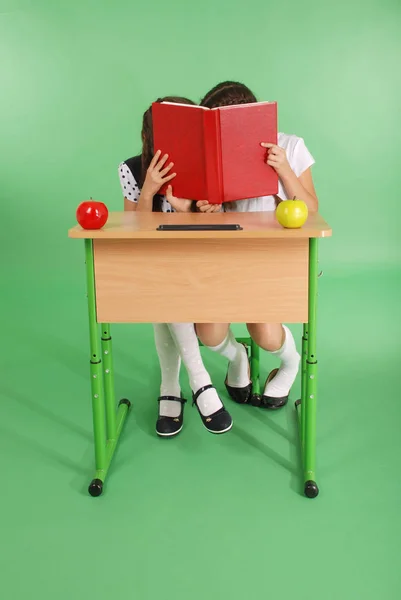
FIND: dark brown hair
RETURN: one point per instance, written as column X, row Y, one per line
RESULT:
column 147, row 132
column 228, row 93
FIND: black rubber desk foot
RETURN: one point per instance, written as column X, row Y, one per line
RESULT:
column 96, row 487
column 311, row 489
column 125, row 401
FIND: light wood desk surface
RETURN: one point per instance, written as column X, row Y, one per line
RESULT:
column 137, row 225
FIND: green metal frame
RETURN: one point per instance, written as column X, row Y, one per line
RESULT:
column 107, row 421
column 254, row 361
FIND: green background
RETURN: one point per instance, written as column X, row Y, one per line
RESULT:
column 199, row 517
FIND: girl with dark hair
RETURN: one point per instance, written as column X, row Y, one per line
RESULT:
column 292, row 161
column 141, row 178
column 139, row 186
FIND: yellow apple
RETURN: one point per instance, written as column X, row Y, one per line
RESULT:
column 292, row 214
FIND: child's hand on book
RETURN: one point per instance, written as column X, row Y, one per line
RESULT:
column 157, row 174
column 204, row 207
column 179, row 204
column 277, row 158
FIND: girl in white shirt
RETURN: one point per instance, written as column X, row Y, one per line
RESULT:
column 292, row 162
column 141, row 178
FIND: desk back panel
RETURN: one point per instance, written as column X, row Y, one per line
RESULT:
column 205, row 281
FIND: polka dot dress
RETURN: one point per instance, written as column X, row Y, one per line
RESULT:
column 130, row 187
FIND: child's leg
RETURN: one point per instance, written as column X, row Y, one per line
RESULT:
column 188, row 345
column 170, row 362
column 219, row 338
column 278, row 340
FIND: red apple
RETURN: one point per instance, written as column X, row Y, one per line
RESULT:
column 92, row 214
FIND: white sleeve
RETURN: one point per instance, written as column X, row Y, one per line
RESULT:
column 129, row 186
column 301, row 158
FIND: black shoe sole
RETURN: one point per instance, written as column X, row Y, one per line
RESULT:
column 239, row 395
column 219, row 432
column 173, row 434
column 270, row 403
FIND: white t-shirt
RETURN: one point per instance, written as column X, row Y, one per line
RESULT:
column 299, row 159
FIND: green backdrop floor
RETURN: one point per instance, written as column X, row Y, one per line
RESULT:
column 199, row 516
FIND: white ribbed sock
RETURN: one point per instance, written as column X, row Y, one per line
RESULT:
column 188, row 345
column 170, row 362
column 238, row 368
column 281, row 384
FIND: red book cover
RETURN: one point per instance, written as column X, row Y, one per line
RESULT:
column 216, row 152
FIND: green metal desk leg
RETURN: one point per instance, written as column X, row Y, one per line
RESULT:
column 298, row 403
column 308, row 406
column 101, row 417
column 255, row 374
column 108, row 378
column 304, row 375
column 255, row 399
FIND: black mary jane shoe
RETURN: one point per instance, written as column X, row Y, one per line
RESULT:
column 241, row 395
column 170, row 426
column 218, row 422
column 269, row 401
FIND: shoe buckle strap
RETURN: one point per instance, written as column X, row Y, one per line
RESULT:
column 200, row 391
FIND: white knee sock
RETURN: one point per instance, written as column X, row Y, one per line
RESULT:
column 170, row 362
column 281, row 384
column 238, row 369
column 188, row 346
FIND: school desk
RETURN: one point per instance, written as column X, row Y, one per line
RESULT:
column 260, row 273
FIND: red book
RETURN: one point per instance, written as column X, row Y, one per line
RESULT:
column 216, row 152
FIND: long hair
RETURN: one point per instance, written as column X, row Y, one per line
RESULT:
column 147, row 142
column 228, row 93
